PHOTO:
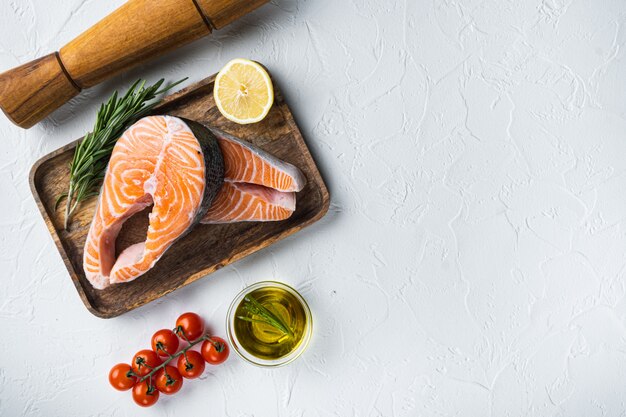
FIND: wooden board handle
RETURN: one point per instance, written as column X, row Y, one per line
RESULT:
column 135, row 32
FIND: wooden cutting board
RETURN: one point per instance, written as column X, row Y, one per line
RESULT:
column 208, row 247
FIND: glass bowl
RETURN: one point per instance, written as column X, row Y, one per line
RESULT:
column 249, row 357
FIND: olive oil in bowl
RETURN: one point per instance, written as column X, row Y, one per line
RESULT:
column 269, row 324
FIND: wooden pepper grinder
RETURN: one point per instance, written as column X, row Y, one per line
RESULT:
column 137, row 31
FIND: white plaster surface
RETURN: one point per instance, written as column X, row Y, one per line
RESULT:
column 473, row 262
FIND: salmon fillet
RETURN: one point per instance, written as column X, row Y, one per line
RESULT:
column 257, row 187
column 242, row 202
column 244, row 162
column 164, row 161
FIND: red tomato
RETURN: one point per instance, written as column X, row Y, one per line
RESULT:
column 215, row 351
column 144, row 395
column 170, row 385
column 191, row 325
column 144, row 361
column 121, row 377
column 164, row 341
column 193, row 366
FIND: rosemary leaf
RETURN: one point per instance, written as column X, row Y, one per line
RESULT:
column 263, row 315
column 93, row 152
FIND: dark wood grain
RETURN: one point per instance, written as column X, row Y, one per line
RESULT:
column 208, row 247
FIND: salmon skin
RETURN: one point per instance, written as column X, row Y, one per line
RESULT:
column 176, row 166
column 257, row 187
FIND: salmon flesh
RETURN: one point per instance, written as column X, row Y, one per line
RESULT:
column 257, row 187
column 242, row 202
column 176, row 166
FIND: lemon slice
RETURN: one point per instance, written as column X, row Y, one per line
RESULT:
column 243, row 91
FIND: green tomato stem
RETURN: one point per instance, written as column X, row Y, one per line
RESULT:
column 174, row 356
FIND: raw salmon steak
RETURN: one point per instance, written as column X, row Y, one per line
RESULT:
column 172, row 164
column 257, row 187
column 242, row 202
column 244, row 162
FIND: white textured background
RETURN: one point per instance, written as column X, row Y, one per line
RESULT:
column 473, row 262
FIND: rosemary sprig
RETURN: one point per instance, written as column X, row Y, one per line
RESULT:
column 252, row 306
column 93, row 152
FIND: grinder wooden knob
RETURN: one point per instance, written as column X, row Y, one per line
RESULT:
column 137, row 31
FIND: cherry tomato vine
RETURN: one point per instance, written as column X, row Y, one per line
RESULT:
column 162, row 368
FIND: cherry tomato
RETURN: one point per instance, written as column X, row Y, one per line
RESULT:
column 164, row 341
column 215, row 351
column 170, row 385
column 121, row 377
column 192, row 368
column 144, row 395
column 144, row 361
column 191, row 325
